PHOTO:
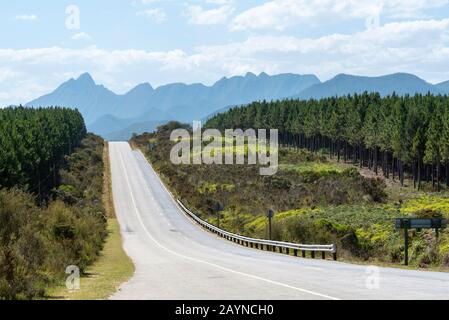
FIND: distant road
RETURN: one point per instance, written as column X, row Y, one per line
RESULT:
column 175, row 259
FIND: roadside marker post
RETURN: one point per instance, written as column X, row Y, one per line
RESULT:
column 413, row 223
column 270, row 215
column 218, row 208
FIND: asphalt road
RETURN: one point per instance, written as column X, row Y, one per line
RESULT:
column 176, row 259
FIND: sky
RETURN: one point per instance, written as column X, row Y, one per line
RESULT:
column 122, row 43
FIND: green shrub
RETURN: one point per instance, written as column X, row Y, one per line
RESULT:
column 38, row 243
column 22, row 247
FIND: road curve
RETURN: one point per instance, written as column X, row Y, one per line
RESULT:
column 176, row 259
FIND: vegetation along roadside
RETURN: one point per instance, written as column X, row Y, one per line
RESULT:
column 322, row 193
column 113, row 267
column 51, row 210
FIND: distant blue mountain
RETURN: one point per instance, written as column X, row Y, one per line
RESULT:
column 443, row 86
column 109, row 123
column 113, row 128
column 135, row 128
column 116, row 116
column 343, row 84
column 106, row 112
column 83, row 93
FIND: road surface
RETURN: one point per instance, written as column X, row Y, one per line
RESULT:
column 176, row 259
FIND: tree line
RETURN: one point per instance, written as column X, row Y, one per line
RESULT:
column 33, row 142
column 38, row 243
column 399, row 136
column 51, row 210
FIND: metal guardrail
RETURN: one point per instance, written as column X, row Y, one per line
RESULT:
column 262, row 244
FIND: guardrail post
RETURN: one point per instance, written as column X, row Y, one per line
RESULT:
column 313, row 254
column 287, row 251
column 303, row 253
column 295, row 252
column 334, row 252
column 323, row 255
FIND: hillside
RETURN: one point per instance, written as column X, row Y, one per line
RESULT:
column 322, row 192
column 135, row 128
column 402, row 141
column 399, row 83
column 444, row 87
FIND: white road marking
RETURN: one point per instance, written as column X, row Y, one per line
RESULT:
column 206, row 262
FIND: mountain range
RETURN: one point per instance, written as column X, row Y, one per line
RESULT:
column 116, row 117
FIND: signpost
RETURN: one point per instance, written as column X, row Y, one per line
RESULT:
column 412, row 223
column 218, row 207
column 270, row 215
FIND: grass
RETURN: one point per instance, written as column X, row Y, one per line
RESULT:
column 312, row 166
column 105, row 276
column 435, row 202
column 113, row 267
column 108, row 202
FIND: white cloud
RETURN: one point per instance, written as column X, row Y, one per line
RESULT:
column 158, row 15
column 26, row 17
column 280, row 14
column 220, row 1
column 420, row 47
column 150, row 1
column 198, row 15
column 81, row 36
column 6, row 74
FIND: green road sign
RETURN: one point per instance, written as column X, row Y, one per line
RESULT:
column 413, row 223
